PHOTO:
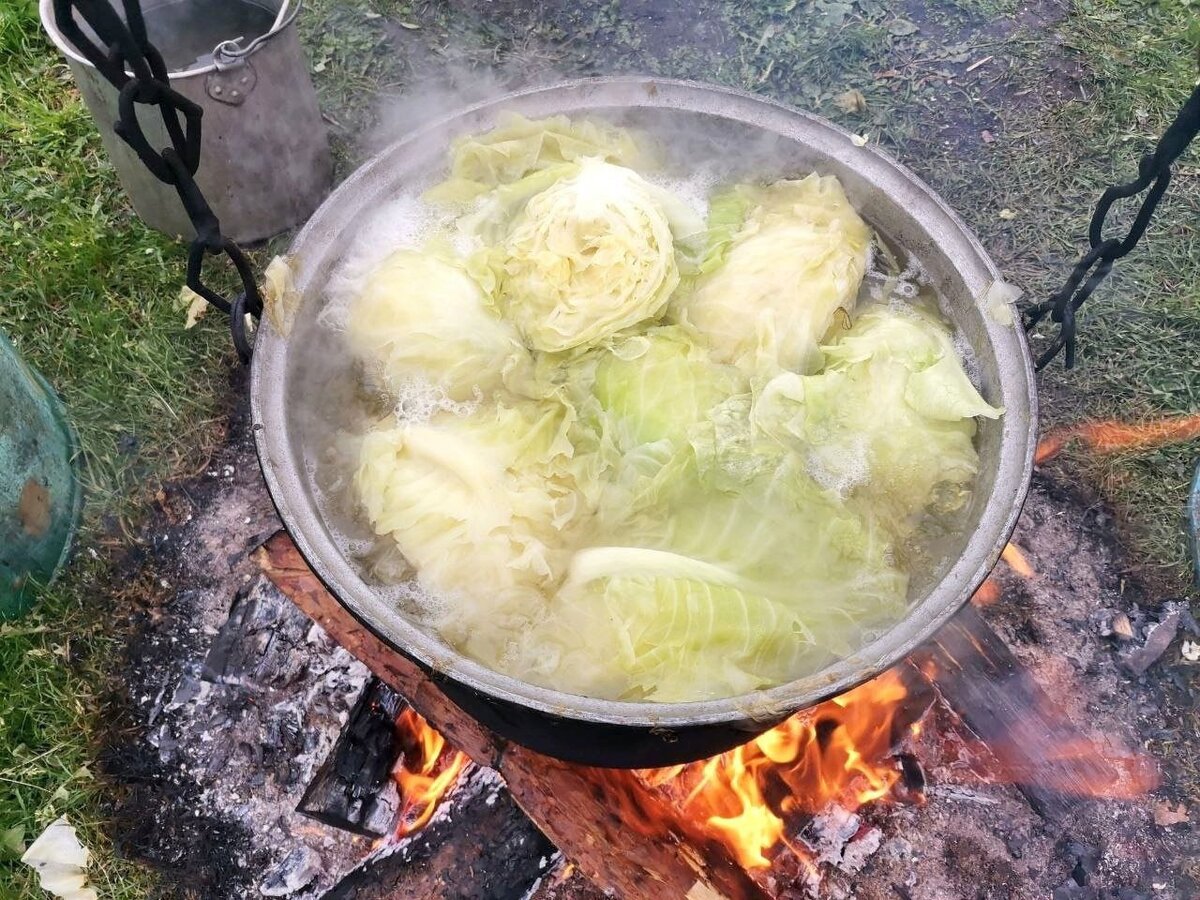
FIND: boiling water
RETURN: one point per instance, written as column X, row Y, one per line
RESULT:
column 186, row 31
column 339, row 407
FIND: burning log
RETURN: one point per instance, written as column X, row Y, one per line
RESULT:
column 353, row 790
column 1034, row 741
column 577, row 807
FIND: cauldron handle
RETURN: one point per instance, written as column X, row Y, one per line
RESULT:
column 1154, row 173
column 121, row 46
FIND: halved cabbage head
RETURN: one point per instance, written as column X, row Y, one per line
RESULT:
column 890, row 419
column 479, row 506
column 588, row 256
column 773, row 288
column 420, row 318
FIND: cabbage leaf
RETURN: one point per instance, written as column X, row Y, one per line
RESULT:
column 480, row 506
column 890, row 419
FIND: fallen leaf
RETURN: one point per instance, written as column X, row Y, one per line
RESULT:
column 411, row 26
column 61, row 862
column 1007, row 214
column 859, row 140
column 851, row 101
column 988, row 137
column 280, row 298
column 1165, row 814
column 195, row 305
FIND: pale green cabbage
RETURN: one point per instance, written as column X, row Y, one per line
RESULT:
column 773, row 287
column 890, row 418
column 520, row 148
column 422, row 319
column 683, row 478
column 587, row 257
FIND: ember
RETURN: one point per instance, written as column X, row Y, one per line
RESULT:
column 426, row 771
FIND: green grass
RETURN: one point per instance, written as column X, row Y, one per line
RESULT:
column 89, row 294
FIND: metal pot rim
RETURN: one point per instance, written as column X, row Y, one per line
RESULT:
column 46, row 11
column 281, row 468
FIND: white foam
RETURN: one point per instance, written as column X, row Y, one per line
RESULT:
column 842, row 473
column 693, row 189
column 418, row 400
column 412, row 594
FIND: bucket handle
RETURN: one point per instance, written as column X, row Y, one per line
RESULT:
column 229, row 53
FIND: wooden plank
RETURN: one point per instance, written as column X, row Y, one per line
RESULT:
column 585, row 811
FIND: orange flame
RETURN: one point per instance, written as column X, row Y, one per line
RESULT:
column 833, row 752
column 426, row 771
column 1016, row 561
column 1111, row 436
column 988, row 593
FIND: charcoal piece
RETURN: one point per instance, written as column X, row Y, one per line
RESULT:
column 353, row 789
column 261, row 644
column 294, row 871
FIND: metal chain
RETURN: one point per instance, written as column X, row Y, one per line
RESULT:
column 1154, row 172
column 123, row 54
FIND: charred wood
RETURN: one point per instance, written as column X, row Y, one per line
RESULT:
column 485, row 849
column 353, row 789
column 1034, row 741
column 258, row 644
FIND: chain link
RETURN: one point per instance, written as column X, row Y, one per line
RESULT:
column 123, row 54
column 1154, row 173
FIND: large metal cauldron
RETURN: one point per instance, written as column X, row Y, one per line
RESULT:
column 762, row 135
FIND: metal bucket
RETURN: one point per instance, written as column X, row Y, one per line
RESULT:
column 285, row 406
column 265, row 161
column 39, row 494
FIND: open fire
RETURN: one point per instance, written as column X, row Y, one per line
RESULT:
column 426, row 770
column 856, row 749
column 836, row 752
